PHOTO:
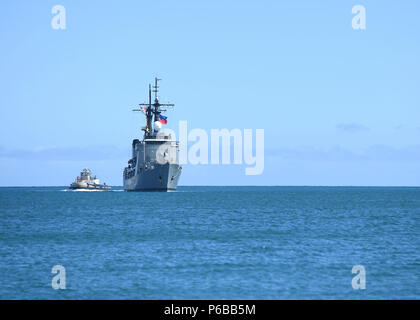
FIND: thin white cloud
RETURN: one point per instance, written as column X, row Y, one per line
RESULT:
column 352, row 127
column 378, row 153
column 65, row 154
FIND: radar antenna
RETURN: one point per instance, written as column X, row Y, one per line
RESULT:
column 152, row 109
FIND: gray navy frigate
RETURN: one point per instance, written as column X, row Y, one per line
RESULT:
column 154, row 164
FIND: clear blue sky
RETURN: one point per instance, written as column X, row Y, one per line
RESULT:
column 338, row 106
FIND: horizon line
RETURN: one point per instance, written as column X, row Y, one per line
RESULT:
column 331, row 186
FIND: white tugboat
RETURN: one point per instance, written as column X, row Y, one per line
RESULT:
column 86, row 182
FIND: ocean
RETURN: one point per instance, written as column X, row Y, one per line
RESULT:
column 211, row 243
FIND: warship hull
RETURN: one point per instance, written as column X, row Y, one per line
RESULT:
column 161, row 177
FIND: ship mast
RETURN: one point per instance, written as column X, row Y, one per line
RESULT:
column 149, row 113
column 156, row 104
column 153, row 109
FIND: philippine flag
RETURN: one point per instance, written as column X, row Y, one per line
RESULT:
column 163, row 119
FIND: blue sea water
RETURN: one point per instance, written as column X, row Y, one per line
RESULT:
column 211, row 243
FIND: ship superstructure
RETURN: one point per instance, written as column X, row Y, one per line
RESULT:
column 154, row 164
column 86, row 182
